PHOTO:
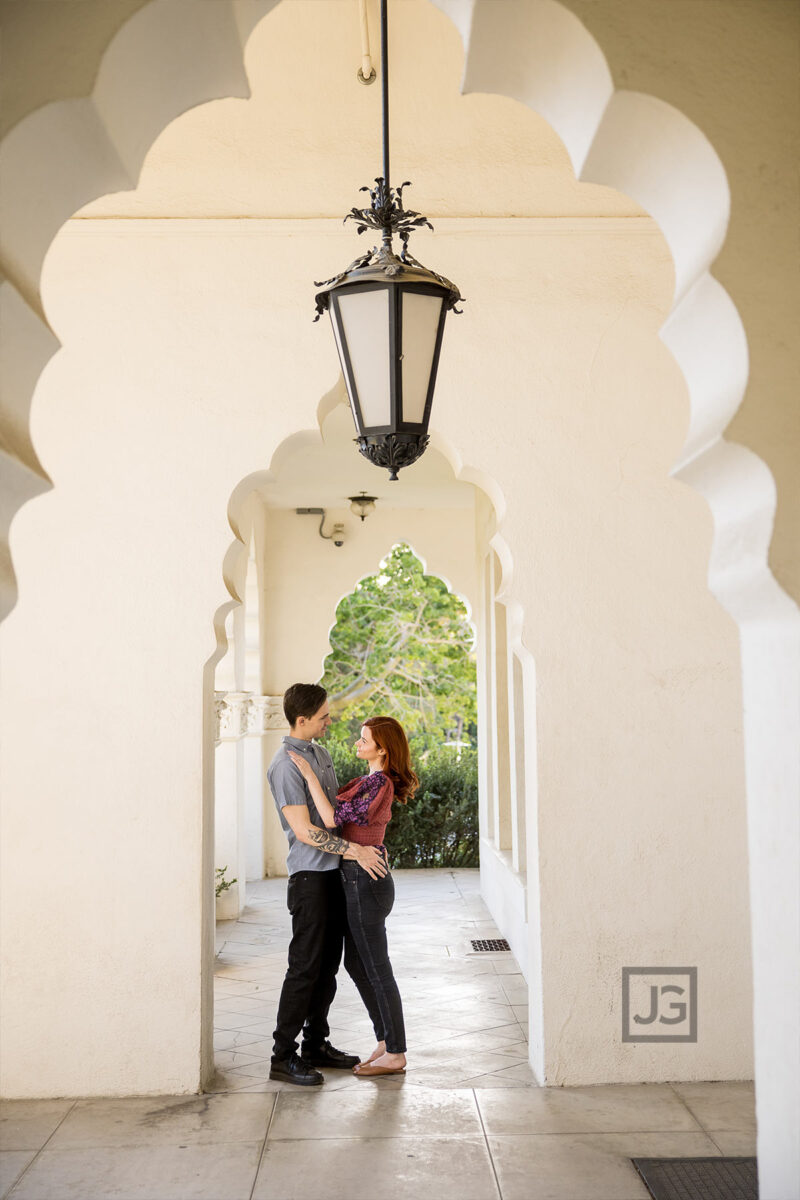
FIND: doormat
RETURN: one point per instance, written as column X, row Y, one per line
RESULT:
column 699, row 1178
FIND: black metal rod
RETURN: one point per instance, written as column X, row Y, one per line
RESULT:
column 385, row 97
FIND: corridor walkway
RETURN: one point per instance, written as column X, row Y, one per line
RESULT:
column 466, row 1122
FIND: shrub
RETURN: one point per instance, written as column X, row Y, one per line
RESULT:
column 439, row 826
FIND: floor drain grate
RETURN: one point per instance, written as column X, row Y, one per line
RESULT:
column 485, row 944
column 699, row 1178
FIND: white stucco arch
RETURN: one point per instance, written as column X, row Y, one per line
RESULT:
column 462, row 556
column 73, row 150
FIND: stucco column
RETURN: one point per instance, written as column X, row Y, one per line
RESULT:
column 229, row 833
column 266, row 843
column 253, row 772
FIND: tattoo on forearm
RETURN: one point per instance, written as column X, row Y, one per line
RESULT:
column 327, row 841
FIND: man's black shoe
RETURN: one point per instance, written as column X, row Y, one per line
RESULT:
column 327, row 1055
column 295, row 1070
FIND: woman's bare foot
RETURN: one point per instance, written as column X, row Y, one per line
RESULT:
column 376, row 1053
column 384, row 1059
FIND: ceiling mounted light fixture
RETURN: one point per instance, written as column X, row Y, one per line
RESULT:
column 388, row 314
column 362, row 505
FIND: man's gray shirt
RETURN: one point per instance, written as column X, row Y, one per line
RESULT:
column 289, row 787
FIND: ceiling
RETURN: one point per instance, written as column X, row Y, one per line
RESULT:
column 321, row 470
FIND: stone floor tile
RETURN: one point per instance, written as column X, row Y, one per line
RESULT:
column 238, row 1021
column 420, row 1034
column 251, row 1043
column 235, row 1058
column 163, row 1120
column 247, row 1005
column 261, row 972
column 462, row 1064
column 230, row 987
column 514, row 1049
column 516, row 995
column 261, row 1085
column 182, row 1172
column 480, row 1006
column 388, row 1168
column 229, row 1039
column 225, row 1081
column 724, row 1105
column 735, row 1142
column 521, row 1071
column 609, row 1109
column 585, row 1167
column 467, row 1022
column 12, row 1164
column 255, row 1070
column 27, row 1124
column 366, row 1111
column 481, row 1042
column 494, row 1081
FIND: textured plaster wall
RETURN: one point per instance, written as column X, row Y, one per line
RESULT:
column 170, row 390
column 52, row 51
column 305, row 577
column 732, row 67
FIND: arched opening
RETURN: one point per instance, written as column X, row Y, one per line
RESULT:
column 403, row 645
column 290, row 577
column 704, row 478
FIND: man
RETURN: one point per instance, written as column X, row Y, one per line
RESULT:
column 314, row 895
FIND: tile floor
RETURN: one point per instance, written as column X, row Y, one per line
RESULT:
column 467, row 1121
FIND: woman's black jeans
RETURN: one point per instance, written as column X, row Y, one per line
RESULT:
column 366, row 955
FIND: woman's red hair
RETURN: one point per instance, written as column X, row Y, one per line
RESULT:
column 390, row 736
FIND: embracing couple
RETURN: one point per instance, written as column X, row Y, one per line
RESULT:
column 340, row 890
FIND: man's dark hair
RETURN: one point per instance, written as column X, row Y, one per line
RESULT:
column 303, row 700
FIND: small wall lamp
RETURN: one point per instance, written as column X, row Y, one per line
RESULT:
column 337, row 533
column 362, row 505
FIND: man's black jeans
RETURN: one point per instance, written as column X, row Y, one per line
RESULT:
column 366, row 955
column 316, row 902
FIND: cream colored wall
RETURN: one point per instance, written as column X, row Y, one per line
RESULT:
column 53, row 51
column 737, row 57
column 305, row 577
column 171, row 389
column 761, row 294
column 732, row 67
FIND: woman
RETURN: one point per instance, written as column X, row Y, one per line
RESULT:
column 363, row 809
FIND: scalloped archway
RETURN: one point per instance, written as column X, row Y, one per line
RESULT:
column 73, row 150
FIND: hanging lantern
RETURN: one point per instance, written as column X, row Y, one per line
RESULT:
column 388, row 314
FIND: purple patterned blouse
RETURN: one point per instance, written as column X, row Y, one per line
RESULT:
column 356, row 808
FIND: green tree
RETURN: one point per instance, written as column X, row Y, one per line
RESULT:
column 403, row 646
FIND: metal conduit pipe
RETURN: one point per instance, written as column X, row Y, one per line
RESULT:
column 366, row 72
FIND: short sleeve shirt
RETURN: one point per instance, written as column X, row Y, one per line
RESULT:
column 288, row 787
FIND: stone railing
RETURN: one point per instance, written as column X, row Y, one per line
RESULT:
column 245, row 714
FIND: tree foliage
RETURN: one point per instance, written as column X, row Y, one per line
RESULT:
column 402, row 646
column 439, row 825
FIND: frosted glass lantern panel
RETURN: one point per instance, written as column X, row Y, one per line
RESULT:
column 420, row 326
column 365, row 323
column 337, row 335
